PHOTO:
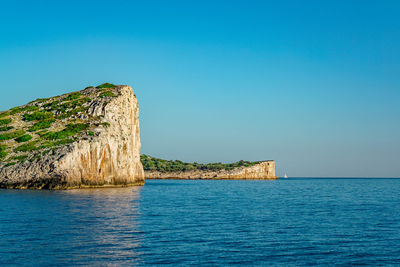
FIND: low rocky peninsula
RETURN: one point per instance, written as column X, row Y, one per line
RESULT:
column 88, row 138
column 155, row 168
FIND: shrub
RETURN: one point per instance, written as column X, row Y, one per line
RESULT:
column 86, row 100
column 3, row 152
column 51, row 105
column 37, row 116
column 23, row 138
column 10, row 164
column 49, row 144
column 30, row 108
column 4, row 114
column 46, row 144
column 15, row 110
column 106, row 94
column 161, row 165
column 55, row 135
column 5, row 121
column 73, row 96
column 70, row 130
column 77, row 127
column 106, row 85
column 45, row 152
column 26, row 147
column 63, row 142
column 11, row 135
column 41, row 133
column 67, row 105
column 91, row 133
column 6, row 128
column 19, row 158
column 80, row 101
column 26, row 108
column 41, row 125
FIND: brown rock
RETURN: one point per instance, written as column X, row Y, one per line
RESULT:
column 264, row 170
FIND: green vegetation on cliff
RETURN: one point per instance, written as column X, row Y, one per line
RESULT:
column 73, row 96
column 5, row 121
column 106, row 85
column 23, row 138
column 3, row 152
column 161, row 165
column 106, row 93
column 37, row 116
column 5, row 128
column 51, row 123
column 70, row 130
column 41, row 125
column 11, row 135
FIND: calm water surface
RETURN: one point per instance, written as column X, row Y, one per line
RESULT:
column 285, row 222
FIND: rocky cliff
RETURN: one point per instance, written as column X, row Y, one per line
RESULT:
column 88, row 138
column 243, row 170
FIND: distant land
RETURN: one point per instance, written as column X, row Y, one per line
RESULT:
column 167, row 169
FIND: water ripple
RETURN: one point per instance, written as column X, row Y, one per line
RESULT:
column 291, row 222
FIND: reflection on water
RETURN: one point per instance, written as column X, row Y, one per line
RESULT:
column 74, row 227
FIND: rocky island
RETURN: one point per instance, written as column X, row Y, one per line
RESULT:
column 244, row 170
column 88, row 138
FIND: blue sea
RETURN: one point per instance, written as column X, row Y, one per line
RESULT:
column 287, row 222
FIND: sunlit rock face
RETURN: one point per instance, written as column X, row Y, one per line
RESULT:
column 101, row 149
column 264, row 170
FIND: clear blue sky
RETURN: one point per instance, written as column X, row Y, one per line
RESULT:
column 314, row 85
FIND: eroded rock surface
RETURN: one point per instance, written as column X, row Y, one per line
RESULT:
column 88, row 138
column 264, row 170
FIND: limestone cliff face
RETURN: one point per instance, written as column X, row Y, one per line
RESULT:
column 261, row 171
column 94, row 144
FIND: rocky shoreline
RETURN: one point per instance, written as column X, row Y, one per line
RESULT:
column 264, row 170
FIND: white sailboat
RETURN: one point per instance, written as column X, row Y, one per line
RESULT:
column 285, row 176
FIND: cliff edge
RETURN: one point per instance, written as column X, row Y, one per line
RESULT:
column 88, row 138
column 242, row 170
